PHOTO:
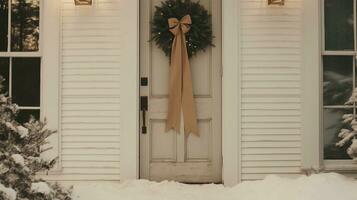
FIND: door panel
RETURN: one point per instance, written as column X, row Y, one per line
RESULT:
column 201, row 66
column 159, row 71
column 199, row 148
column 160, row 140
column 172, row 156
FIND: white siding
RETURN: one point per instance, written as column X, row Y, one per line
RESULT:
column 90, row 103
column 271, row 57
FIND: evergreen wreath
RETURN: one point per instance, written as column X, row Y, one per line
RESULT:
column 198, row 38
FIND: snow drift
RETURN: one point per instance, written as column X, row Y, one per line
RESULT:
column 316, row 187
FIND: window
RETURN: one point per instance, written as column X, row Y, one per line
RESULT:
column 339, row 72
column 30, row 61
column 20, row 54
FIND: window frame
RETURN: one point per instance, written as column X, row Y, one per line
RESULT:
column 24, row 54
column 50, row 54
column 312, row 93
column 51, row 76
column 330, row 164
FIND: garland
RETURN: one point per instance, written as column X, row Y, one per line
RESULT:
column 198, row 38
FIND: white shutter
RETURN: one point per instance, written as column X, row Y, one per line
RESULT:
column 90, row 91
column 271, row 39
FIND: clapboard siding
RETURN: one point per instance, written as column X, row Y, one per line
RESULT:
column 271, row 39
column 90, row 108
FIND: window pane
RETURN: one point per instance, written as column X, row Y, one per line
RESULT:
column 24, row 115
column 26, row 78
column 332, row 126
column 339, row 25
column 4, row 72
column 25, row 15
column 4, row 9
column 338, row 79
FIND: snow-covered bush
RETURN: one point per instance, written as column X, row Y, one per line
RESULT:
column 20, row 148
column 348, row 135
column 7, row 193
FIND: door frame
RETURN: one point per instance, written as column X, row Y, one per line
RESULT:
column 231, row 93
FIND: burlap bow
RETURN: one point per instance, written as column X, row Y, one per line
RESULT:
column 180, row 88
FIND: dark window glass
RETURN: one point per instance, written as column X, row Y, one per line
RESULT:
column 339, row 25
column 25, row 17
column 332, row 126
column 337, row 79
column 24, row 115
column 4, row 16
column 4, row 72
column 26, row 78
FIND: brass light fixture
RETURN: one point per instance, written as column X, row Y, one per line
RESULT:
column 276, row 2
column 83, row 2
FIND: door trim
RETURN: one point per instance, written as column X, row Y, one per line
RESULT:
column 231, row 134
column 231, row 92
column 129, row 89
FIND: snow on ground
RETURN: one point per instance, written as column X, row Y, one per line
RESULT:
column 316, row 187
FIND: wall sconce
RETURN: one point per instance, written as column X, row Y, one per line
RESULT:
column 83, row 2
column 276, row 2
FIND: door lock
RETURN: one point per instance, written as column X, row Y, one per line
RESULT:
column 144, row 81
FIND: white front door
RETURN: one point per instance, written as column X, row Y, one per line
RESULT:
column 172, row 156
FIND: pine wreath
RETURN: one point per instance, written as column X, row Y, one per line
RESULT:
column 198, row 38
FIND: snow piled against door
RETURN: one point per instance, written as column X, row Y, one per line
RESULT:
column 316, row 187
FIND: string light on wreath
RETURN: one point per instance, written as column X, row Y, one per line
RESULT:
column 200, row 36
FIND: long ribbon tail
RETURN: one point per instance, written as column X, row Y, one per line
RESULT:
column 175, row 90
column 188, row 101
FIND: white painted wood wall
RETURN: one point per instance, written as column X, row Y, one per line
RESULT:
column 90, row 107
column 271, row 60
column 271, row 48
